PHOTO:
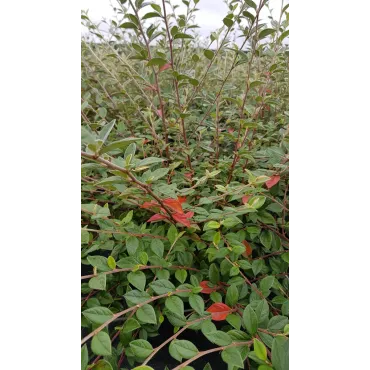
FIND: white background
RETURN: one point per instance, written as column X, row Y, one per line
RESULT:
column 40, row 184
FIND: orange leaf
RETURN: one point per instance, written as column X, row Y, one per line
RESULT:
column 174, row 204
column 248, row 249
column 219, row 311
column 166, row 66
column 206, row 289
column 273, row 181
column 181, row 199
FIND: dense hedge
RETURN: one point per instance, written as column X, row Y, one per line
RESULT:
column 185, row 187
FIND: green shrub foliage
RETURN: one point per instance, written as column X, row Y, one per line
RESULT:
column 185, row 186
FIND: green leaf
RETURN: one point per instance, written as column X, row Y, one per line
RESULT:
column 157, row 247
column 175, row 305
column 101, row 344
column 98, row 282
column 260, row 349
column 219, row 337
column 266, row 238
column 135, row 297
column 132, row 244
column 257, row 266
column 180, row 349
column 197, row 303
column 98, row 315
column 102, row 113
column 251, row 4
column 214, row 274
column 267, row 282
column 105, row 131
column 234, row 320
column 143, row 367
column 280, row 353
column 232, row 295
column 149, row 161
column 265, row 367
column 176, row 319
column 250, row 320
column 111, row 262
column 172, row 234
column 249, row 15
column 181, row 275
column 130, row 325
column 266, row 32
column 232, row 357
column 120, row 144
column 262, row 311
column 228, row 22
column 128, row 25
column 156, row 62
column 257, row 201
column 277, row 323
column 211, row 225
column 216, row 297
column 244, row 264
column 162, row 286
column 156, row 8
column 182, row 36
column 146, row 314
column 143, row 257
column 99, row 261
column 137, row 279
column 151, row 15
column 209, row 54
column 230, row 222
column 141, row 348
column 234, row 271
column 84, row 357
column 102, row 365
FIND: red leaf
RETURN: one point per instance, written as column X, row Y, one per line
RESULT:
column 245, row 199
column 219, row 311
column 248, row 249
column 183, row 218
column 189, row 214
column 159, row 112
column 230, row 130
column 206, row 289
column 157, row 217
column 188, row 175
column 166, row 66
column 174, row 204
column 273, row 181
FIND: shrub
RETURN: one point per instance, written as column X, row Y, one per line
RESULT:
column 185, row 187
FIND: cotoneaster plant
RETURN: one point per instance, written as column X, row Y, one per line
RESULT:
column 185, row 187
